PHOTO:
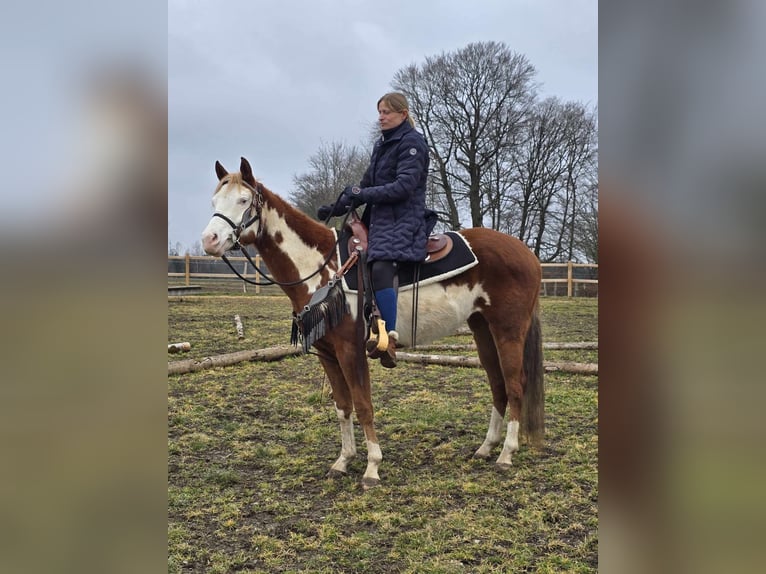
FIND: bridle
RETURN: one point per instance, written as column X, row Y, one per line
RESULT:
column 257, row 204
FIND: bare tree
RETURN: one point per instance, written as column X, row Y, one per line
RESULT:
column 550, row 166
column 469, row 104
column 499, row 157
column 333, row 167
column 537, row 167
column 196, row 249
column 581, row 177
column 419, row 84
column 586, row 225
column 561, row 204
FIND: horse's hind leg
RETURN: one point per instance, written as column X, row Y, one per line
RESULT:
column 491, row 363
column 510, row 353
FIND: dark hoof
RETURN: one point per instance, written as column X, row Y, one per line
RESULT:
column 387, row 361
column 478, row 456
column 368, row 483
column 336, row 474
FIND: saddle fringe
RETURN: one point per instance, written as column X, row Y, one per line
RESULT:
column 325, row 311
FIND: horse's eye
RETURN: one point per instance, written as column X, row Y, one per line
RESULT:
column 243, row 200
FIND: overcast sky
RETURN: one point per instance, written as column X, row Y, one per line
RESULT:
column 272, row 80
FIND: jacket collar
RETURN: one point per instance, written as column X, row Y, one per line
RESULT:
column 395, row 133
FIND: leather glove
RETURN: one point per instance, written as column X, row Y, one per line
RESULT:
column 352, row 196
column 324, row 212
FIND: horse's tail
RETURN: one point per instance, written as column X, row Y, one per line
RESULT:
column 533, row 409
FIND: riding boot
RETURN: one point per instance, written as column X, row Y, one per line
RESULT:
column 388, row 358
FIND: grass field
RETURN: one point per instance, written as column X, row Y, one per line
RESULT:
column 249, row 447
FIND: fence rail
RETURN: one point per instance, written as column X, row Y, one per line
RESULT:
column 576, row 274
column 581, row 279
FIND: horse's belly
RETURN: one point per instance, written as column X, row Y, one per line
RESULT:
column 440, row 311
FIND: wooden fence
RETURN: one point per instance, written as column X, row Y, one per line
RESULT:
column 217, row 268
column 570, row 280
column 572, row 275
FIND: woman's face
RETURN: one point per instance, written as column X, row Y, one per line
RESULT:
column 388, row 118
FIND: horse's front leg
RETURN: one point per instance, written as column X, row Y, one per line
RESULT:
column 348, row 443
column 364, row 412
column 356, row 372
column 344, row 411
column 374, row 458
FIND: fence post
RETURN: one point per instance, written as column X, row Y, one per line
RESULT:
column 569, row 279
column 188, row 268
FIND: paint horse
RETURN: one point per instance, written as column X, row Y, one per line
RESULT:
column 498, row 298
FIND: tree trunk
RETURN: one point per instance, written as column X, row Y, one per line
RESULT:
column 460, row 361
column 268, row 354
column 591, row 345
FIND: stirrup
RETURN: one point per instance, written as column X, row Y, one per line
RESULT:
column 379, row 341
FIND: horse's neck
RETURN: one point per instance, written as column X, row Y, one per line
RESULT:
column 292, row 241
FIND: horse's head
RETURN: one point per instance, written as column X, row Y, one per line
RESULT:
column 237, row 204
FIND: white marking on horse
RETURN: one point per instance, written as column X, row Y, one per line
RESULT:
column 374, row 458
column 441, row 311
column 494, row 434
column 232, row 201
column 307, row 259
column 348, row 443
column 510, row 445
column 352, row 303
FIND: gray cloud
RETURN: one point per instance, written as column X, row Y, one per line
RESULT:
column 273, row 80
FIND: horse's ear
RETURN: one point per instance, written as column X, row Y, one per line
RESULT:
column 220, row 171
column 246, row 171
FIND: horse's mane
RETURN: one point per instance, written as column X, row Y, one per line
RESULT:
column 274, row 200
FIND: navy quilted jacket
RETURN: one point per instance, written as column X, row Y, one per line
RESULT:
column 394, row 189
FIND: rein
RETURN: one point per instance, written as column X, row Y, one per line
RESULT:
column 272, row 281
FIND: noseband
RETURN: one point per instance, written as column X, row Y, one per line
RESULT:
column 256, row 203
